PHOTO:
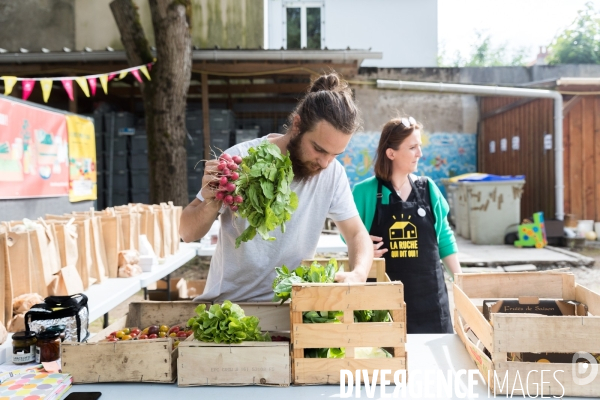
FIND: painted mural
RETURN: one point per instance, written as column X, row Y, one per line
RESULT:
column 444, row 155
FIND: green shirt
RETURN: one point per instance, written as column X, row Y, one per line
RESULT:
column 365, row 197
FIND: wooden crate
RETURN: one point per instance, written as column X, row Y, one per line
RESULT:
column 377, row 271
column 346, row 297
column 525, row 332
column 151, row 360
column 247, row 363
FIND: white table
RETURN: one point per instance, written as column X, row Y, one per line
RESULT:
column 426, row 353
column 327, row 244
column 187, row 251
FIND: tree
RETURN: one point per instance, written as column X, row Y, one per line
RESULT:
column 580, row 42
column 485, row 54
column 165, row 96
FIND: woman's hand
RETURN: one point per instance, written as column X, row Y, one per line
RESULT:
column 377, row 243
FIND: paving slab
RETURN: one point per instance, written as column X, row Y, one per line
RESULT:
column 475, row 255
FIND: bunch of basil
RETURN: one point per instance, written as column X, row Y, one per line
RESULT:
column 225, row 323
column 317, row 273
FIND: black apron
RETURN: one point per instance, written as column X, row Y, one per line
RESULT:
column 407, row 229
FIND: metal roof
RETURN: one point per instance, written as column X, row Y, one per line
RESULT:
column 344, row 56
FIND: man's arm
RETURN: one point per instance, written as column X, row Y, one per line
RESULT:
column 360, row 250
column 198, row 216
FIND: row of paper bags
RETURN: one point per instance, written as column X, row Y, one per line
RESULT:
column 65, row 254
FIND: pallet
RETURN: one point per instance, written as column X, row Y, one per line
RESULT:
column 349, row 335
column 247, row 363
column 526, row 333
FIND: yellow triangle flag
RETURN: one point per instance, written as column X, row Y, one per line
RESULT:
column 46, row 85
column 83, row 85
column 104, row 83
column 122, row 75
column 145, row 72
column 9, row 83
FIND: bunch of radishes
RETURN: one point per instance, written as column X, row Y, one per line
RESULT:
column 227, row 167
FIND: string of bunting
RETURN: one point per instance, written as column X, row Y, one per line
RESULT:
column 87, row 83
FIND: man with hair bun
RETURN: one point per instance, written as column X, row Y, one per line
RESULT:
column 319, row 129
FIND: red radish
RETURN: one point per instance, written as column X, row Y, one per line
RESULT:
column 228, row 199
column 237, row 159
column 221, row 166
column 223, row 181
column 234, row 176
column 226, row 157
column 219, row 195
column 226, row 172
column 232, row 166
column 234, row 208
column 238, row 199
column 230, row 187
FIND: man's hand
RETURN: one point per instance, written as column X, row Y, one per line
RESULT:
column 210, row 182
column 350, row 277
column 377, row 243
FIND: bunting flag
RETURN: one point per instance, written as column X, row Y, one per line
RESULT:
column 104, row 83
column 137, row 76
column 9, row 83
column 28, row 85
column 145, row 72
column 46, row 85
column 92, row 83
column 83, row 85
column 87, row 83
column 68, row 85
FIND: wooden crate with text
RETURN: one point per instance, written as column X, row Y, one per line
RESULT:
column 349, row 334
column 511, row 333
column 246, row 363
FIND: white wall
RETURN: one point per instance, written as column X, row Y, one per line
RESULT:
column 404, row 30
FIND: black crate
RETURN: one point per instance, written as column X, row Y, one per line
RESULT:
column 194, row 145
column 194, row 183
column 120, row 180
column 100, row 181
column 193, row 120
column 124, row 122
column 219, row 143
column 139, row 161
column 99, row 142
column 140, row 196
column 195, row 164
column 243, row 135
column 138, row 144
column 222, row 120
column 120, row 198
column 100, row 165
column 119, row 161
column 119, row 143
column 140, row 180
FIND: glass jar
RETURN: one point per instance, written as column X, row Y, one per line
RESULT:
column 60, row 329
column 23, row 347
column 48, row 346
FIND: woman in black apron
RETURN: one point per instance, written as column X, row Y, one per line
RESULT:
column 404, row 225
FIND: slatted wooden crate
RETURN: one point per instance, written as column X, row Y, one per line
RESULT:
column 247, row 363
column 526, row 333
column 349, row 335
column 151, row 360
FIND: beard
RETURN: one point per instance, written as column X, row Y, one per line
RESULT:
column 303, row 170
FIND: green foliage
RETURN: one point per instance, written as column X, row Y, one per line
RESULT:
column 225, row 324
column 580, row 42
column 264, row 183
column 485, row 54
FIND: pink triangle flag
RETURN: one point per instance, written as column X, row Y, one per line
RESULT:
column 111, row 76
column 68, row 85
column 92, row 83
column 27, row 87
column 136, row 73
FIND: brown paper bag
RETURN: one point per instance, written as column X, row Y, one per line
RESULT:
column 130, row 224
column 45, row 248
column 167, row 233
column 112, row 234
column 69, row 282
column 21, row 263
column 175, row 216
column 5, row 288
column 152, row 227
column 66, row 237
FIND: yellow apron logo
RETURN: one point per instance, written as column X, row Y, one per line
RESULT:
column 403, row 239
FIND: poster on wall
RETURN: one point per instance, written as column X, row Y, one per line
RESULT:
column 33, row 152
column 82, row 159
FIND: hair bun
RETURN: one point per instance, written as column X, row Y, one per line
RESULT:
column 330, row 82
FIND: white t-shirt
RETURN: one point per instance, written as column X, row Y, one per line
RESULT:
column 247, row 273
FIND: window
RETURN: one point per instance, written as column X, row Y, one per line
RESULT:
column 303, row 25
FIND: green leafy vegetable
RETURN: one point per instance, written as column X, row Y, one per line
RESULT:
column 225, row 324
column 264, row 184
